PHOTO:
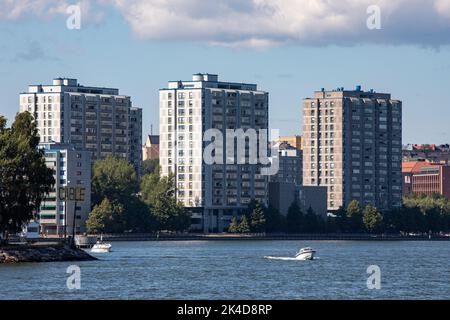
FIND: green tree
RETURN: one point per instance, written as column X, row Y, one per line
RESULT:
column 433, row 220
column 243, row 225
column 311, row 221
column 275, row 222
column 24, row 177
column 179, row 217
column 372, row 219
column 249, row 209
column 393, row 220
column 340, row 221
column 414, row 220
column 354, row 215
column 150, row 166
column 153, row 187
column 107, row 217
column 257, row 219
column 159, row 194
column 294, row 219
column 113, row 178
column 116, row 180
column 233, row 228
column 137, row 216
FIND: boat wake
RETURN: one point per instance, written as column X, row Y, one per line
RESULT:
column 286, row 258
column 282, row 258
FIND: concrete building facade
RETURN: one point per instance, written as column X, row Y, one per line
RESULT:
column 282, row 195
column 70, row 168
column 314, row 197
column 290, row 162
column 98, row 120
column 352, row 145
column 213, row 192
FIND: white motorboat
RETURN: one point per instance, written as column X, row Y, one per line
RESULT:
column 101, row 247
column 305, row 254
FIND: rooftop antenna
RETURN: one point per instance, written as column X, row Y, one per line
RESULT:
column 151, row 129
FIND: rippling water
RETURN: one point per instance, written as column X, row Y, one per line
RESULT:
column 238, row 270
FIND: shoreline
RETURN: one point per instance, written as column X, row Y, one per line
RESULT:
column 20, row 253
column 261, row 237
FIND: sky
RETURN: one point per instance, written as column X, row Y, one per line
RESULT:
column 290, row 48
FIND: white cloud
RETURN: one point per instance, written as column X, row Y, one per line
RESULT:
column 16, row 9
column 13, row 10
column 443, row 7
column 265, row 23
column 254, row 43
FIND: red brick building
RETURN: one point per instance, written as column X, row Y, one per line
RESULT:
column 422, row 177
column 150, row 150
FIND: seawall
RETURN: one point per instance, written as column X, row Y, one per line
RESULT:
column 42, row 253
column 265, row 237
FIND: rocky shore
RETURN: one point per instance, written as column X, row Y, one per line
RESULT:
column 42, row 253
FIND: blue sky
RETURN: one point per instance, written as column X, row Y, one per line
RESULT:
column 111, row 51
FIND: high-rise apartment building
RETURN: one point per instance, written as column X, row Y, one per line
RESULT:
column 71, row 168
column 98, row 120
column 136, row 138
column 352, row 145
column 213, row 192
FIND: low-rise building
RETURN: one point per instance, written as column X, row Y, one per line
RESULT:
column 314, row 197
column 282, row 195
column 421, row 177
column 71, row 168
column 286, row 186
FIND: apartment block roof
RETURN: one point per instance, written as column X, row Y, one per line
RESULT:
column 418, row 166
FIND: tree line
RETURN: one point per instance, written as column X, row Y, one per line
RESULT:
column 419, row 214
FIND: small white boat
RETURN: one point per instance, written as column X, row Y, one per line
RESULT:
column 305, row 254
column 101, row 247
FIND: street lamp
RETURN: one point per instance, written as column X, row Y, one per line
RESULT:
column 66, row 200
column 79, row 196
